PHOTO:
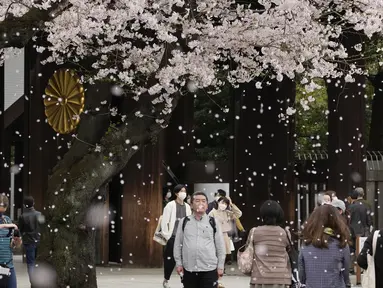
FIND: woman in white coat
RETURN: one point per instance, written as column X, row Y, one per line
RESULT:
column 174, row 211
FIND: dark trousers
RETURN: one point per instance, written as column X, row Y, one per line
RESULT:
column 200, row 279
column 169, row 262
column 30, row 255
column 12, row 282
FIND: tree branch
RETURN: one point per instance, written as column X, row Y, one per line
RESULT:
column 17, row 31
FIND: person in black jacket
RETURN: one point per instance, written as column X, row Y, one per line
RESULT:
column 367, row 248
column 29, row 226
column 360, row 214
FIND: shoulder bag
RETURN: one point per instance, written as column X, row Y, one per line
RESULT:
column 158, row 237
column 245, row 255
column 368, row 279
column 293, row 256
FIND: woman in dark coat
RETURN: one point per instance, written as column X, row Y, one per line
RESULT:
column 367, row 248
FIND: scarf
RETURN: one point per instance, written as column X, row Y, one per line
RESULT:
column 329, row 231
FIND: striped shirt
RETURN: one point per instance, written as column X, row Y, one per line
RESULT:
column 6, row 253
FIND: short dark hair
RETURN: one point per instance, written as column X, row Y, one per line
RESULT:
column 354, row 195
column 272, row 213
column 221, row 193
column 225, row 200
column 178, row 188
column 29, row 201
column 198, row 193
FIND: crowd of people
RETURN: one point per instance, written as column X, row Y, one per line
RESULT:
column 26, row 234
column 200, row 236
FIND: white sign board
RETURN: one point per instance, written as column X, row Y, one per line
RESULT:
column 361, row 243
column 211, row 188
column 13, row 75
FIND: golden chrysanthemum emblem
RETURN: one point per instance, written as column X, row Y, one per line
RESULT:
column 64, row 101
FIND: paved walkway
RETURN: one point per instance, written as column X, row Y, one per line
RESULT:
column 136, row 278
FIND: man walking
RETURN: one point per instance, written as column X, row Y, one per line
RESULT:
column 360, row 213
column 29, row 226
column 199, row 249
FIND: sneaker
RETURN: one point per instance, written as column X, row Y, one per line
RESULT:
column 166, row 284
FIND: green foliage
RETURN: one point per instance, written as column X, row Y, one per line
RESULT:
column 211, row 125
column 311, row 125
column 374, row 55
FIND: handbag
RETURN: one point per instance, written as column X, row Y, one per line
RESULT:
column 158, row 237
column 233, row 234
column 245, row 257
column 293, row 256
column 368, row 280
column 5, row 274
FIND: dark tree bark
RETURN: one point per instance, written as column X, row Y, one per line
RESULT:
column 375, row 142
column 67, row 245
column 3, row 170
column 346, row 125
column 263, row 152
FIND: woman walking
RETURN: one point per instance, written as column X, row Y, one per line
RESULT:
column 271, row 266
column 7, row 241
column 375, row 249
column 324, row 258
column 226, row 214
column 174, row 211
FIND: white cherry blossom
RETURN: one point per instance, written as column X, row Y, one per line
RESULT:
column 206, row 43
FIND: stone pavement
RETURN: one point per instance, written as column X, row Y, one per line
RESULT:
column 136, row 278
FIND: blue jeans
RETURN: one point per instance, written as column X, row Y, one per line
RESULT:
column 12, row 283
column 30, row 252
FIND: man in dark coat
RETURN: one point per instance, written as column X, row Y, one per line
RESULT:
column 360, row 215
column 367, row 248
column 29, row 226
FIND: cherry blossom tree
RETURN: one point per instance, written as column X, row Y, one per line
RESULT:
column 157, row 52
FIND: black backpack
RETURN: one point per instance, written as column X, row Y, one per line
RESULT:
column 211, row 221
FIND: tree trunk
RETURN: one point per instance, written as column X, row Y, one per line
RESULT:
column 3, row 170
column 68, row 242
column 346, row 126
column 376, row 129
column 263, row 153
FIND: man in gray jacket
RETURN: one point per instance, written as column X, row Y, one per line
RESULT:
column 199, row 249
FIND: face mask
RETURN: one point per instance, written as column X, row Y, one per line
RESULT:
column 168, row 195
column 182, row 195
column 222, row 207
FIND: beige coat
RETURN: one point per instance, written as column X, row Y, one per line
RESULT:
column 225, row 220
column 271, row 264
